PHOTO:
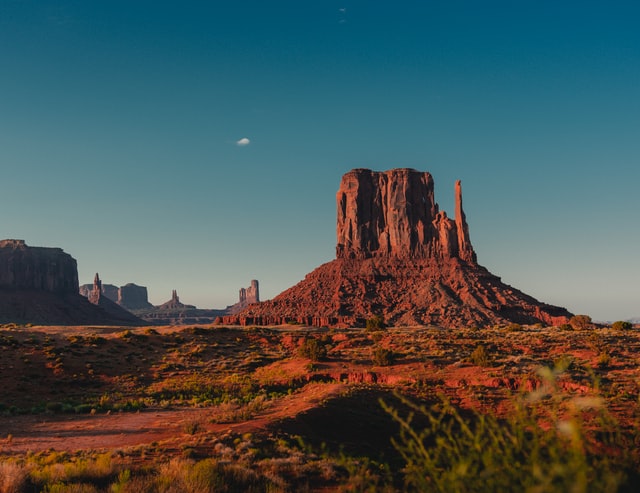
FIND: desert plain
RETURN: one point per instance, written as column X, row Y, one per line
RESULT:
column 297, row 408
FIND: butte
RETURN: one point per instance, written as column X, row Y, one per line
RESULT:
column 399, row 257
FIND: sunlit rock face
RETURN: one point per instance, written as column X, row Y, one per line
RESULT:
column 394, row 214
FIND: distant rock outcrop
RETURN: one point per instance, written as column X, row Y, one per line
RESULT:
column 246, row 297
column 97, row 297
column 133, row 297
column 174, row 312
column 108, row 290
column 40, row 286
column 400, row 257
column 130, row 296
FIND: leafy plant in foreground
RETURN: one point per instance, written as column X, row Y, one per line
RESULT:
column 543, row 446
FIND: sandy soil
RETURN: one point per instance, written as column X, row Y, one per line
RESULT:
column 126, row 429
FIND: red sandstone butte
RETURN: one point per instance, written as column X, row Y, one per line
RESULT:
column 400, row 257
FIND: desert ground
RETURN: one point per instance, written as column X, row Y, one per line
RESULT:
column 295, row 408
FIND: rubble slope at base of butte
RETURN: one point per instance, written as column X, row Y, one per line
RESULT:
column 39, row 285
column 400, row 257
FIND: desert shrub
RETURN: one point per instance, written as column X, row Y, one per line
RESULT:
column 604, row 359
column 191, row 427
column 383, row 356
column 579, row 322
column 465, row 451
column 565, row 327
column 13, row 477
column 513, row 327
column 375, row 323
column 621, row 325
column 313, row 349
column 480, row 356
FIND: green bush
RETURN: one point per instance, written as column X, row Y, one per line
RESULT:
column 313, row 349
column 621, row 325
column 383, row 356
column 480, row 356
column 375, row 323
column 452, row 450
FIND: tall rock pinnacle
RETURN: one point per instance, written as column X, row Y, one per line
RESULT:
column 465, row 250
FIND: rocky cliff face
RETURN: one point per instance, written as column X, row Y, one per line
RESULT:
column 400, row 257
column 40, row 285
column 45, row 269
column 394, row 214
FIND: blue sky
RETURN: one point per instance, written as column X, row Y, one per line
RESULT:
column 119, row 123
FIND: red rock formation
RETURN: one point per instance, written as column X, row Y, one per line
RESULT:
column 246, row 297
column 46, row 269
column 115, row 311
column 133, row 297
column 40, row 285
column 399, row 256
column 394, row 214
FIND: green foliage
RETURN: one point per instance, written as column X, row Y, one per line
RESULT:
column 543, row 445
column 383, row 356
column 580, row 322
column 313, row 349
column 375, row 323
column 621, row 325
column 480, row 356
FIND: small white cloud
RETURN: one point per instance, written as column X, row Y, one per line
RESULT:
column 243, row 142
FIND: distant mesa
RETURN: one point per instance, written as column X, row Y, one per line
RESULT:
column 398, row 256
column 39, row 285
column 97, row 297
column 130, row 296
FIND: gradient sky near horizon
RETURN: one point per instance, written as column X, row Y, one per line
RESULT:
column 197, row 145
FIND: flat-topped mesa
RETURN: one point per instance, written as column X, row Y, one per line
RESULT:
column 40, row 268
column 394, row 214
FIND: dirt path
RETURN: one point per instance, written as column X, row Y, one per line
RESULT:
column 19, row 434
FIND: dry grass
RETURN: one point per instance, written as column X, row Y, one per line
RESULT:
column 253, row 380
